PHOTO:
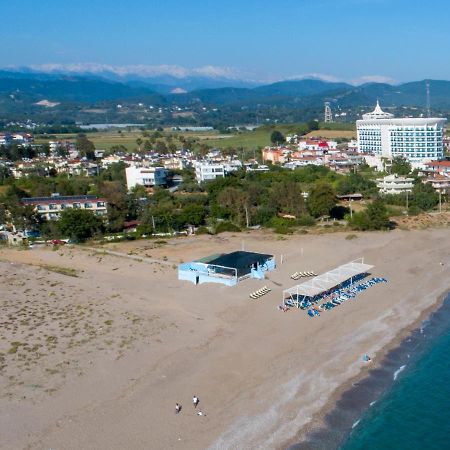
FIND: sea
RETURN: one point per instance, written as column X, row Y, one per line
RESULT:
column 403, row 403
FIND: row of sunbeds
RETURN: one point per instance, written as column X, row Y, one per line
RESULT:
column 260, row 292
column 297, row 275
column 344, row 295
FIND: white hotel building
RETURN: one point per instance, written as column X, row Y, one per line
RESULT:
column 419, row 140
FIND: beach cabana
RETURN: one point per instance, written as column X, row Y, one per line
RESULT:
column 227, row 268
column 326, row 282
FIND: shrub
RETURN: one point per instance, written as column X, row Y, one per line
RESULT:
column 202, row 230
column 306, row 221
column 282, row 226
column 375, row 217
column 223, row 227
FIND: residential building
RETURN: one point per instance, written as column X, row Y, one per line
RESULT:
column 51, row 207
column 395, row 184
column 440, row 183
column 317, row 144
column 146, row 176
column 438, row 168
column 207, row 170
column 418, row 140
column 274, row 155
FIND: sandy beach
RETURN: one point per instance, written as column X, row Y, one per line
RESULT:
column 96, row 348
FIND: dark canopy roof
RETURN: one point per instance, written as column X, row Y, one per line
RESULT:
column 240, row 260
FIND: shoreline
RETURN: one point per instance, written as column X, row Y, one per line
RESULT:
column 318, row 424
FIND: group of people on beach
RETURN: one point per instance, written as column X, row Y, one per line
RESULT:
column 195, row 402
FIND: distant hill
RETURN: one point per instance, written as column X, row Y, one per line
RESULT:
column 26, row 94
column 36, row 87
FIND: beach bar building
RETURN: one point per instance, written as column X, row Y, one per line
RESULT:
column 227, row 268
column 327, row 282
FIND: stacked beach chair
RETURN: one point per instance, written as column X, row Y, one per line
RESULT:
column 298, row 275
column 260, row 292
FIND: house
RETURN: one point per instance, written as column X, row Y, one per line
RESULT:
column 395, row 184
column 51, row 207
column 437, row 168
column 440, row 183
column 208, row 170
column 146, row 176
column 274, row 155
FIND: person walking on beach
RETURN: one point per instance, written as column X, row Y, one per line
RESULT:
column 177, row 408
column 195, row 401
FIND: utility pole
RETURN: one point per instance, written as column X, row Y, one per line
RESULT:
column 428, row 99
column 440, row 201
column 153, row 223
column 350, row 206
column 246, row 215
column 407, row 202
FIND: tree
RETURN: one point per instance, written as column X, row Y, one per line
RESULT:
column 236, row 202
column 79, row 224
column 286, row 197
column 193, row 215
column 277, row 137
column 85, row 146
column 378, row 215
column 321, row 200
column 312, row 125
column 401, row 166
column 116, row 195
column 4, row 173
column 424, row 196
column 139, row 143
column 161, row 147
column 355, row 183
column 375, row 217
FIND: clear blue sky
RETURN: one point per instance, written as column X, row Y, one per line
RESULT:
column 348, row 39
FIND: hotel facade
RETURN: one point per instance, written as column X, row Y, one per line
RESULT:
column 419, row 140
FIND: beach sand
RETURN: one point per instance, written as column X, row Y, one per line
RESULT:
column 96, row 349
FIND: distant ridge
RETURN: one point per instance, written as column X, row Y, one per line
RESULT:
column 82, row 98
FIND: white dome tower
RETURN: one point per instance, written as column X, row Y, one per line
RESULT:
column 377, row 113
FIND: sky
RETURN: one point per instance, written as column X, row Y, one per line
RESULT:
column 262, row 40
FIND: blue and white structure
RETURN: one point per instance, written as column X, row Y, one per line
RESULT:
column 228, row 268
column 419, row 140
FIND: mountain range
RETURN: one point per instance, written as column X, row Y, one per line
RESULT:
column 28, row 92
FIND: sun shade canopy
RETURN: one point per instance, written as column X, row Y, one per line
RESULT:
column 328, row 280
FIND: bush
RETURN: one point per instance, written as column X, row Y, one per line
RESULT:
column 202, row 230
column 144, row 229
column 375, row 217
column 223, row 227
column 282, row 226
column 306, row 221
column 414, row 210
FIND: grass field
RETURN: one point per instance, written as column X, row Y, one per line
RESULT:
column 333, row 134
column 259, row 137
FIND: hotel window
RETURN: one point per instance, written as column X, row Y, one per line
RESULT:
column 52, row 206
column 88, row 205
column 77, row 205
column 40, row 207
column 63, row 206
column 100, row 204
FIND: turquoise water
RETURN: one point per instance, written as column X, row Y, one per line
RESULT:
column 414, row 413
